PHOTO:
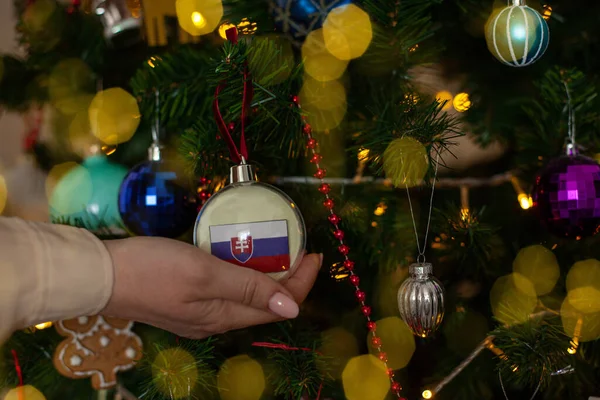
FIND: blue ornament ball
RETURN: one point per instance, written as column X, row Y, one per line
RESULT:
column 297, row 18
column 155, row 200
column 87, row 196
column 517, row 35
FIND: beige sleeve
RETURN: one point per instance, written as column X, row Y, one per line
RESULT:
column 50, row 272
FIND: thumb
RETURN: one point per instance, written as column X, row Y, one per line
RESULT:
column 254, row 289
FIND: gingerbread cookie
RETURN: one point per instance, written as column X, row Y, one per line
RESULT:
column 96, row 347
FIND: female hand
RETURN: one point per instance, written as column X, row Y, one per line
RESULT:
column 180, row 288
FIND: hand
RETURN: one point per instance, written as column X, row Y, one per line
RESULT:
column 182, row 289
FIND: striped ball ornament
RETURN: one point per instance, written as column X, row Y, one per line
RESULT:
column 517, row 35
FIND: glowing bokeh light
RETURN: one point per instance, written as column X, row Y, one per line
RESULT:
column 318, row 62
column 539, row 266
column 399, row 341
column 525, row 201
column 444, row 96
column 461, row 102
column 69, row 86
column 174, row 373
column 247, row 27
column 347, row 32
column 223, row 29
column 3, row 194
column 324, row 102
column 405, row 162
column 37, row 15
column 427, row 394
column 114, row 116
column 241, row 378
column 547, row 12
column 585, row 299
column 584, row 273
column 365, row 378
column 56, row 174
column 73, row 192
column 26, row 392
column 337, row 346
column 513, row 299
column 199, row 17
column 583, row 326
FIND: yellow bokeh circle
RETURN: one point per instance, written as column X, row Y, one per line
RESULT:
column 444, row 96
column 199, row 17
column 324, row 103
column 405, row 162
column 318, row 62
column 174, row 373
column 365, row 378
column 337, row 346
column 399, row 341
column 513, row 299
column 26, row 392
column 584, row 326
column 539, row 265
column 584, row 273
column 69, row 86
column 461, row 102
column 56, row 174
column 241, row 378
column 114, row 116
column 347, row 32
column 72, row 192
column 585, row 299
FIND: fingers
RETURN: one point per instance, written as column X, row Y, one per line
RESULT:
column 304, row 278
column 252, row 289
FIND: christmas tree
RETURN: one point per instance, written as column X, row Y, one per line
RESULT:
column 451, row 138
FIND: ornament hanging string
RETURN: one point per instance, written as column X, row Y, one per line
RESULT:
column 421, row 256
column 241, row 154
column 283, row 346
column 17, row 367
column 571, row 119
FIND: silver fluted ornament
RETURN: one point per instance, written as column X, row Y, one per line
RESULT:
column 122, row 20
column 421, row 300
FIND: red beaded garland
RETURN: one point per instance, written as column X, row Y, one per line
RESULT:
column 307, row 129
column 355, row 280
column 376, row 341
column 204, row 195
column 371, row 326
column 321, row 173
column 334, row 219
column 383, row 357
column 339, row 234
column 390, row 372
column 316, row 158
column 324, row 188
column 360, row 295
column 329, row 204
column 311, row 144
column 366, row 310
column 344, row 249
column 295, row 99
column 396, row 387
column 349, row 265
column 231, row 126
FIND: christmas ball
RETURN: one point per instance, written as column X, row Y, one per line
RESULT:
column 155, row 200
column 26, row 392
column 122, row 21
column 253, row 225
column 421, row 300
column 87, row 195
column 297, row 18
column 517, row 35
column 566, row 196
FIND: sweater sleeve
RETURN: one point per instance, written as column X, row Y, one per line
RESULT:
column 50, row 272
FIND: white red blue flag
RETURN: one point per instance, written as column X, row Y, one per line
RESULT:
column 262, row 246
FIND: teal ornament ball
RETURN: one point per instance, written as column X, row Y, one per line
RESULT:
column 517, row 35
column 87, row 196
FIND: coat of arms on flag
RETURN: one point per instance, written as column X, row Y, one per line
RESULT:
column 263, row 246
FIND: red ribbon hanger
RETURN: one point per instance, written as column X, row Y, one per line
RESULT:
column 241, row 153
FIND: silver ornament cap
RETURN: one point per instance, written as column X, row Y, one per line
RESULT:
column 421, row 300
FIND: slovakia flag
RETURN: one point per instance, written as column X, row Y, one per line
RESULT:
column 262, row 246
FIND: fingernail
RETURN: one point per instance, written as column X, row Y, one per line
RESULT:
column 320, row 260
column 283, row 306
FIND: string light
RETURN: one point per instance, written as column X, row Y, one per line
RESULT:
column 380, row 210
column 525, row 201
column 575, row 342
column 547, row 12
column 223, row 29
column 43, row 325
column 461, row 102
column 414, row 48
column 464, row 203
column 427, row 394
column 363, row 154
column 198, row 19
column 247, row 27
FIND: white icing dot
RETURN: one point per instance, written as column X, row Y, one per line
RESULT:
column 75, row 361
column 104, row 341
column 130, row 353
column 82, row 320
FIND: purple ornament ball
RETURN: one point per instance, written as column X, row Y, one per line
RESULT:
column 566, row 196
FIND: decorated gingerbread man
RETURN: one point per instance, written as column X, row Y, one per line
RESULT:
column 96, row 347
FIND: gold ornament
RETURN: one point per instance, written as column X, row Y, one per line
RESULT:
column 405, row 162
column 241, row 378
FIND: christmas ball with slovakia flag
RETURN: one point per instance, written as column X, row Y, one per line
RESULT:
column 253, row 225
